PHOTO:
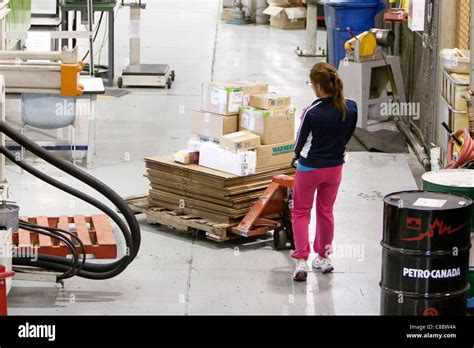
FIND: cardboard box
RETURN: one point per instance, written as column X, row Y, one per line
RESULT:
column 273, row 126
column 222, row 98
column 270, row 101
column 240, row 141
column 287, row 17
column 250, row 87
column 241, row 164
column 277, row 155
column 213, row 126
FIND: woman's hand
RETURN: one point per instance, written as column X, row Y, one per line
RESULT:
column 294, row 162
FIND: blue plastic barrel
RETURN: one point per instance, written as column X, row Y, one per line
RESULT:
column 358, row 15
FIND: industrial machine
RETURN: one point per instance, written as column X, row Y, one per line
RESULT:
column 38, row 72
column 52, row 72
column 137, row 74
column 371, row 77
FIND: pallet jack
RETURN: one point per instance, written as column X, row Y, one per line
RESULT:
column 137, row 74
column 272, row 212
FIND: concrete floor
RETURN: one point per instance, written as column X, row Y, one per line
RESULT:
column 178, row 273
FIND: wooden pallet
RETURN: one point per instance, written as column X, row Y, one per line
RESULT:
column 179, row 221
column 94, row 231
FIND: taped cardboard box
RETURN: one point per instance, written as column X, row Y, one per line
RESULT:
column 287, row 17
column 213, row 126
column 273, row 126
column 250, row 88
column 241, row 164
column 222, row 98
column 277, row 155
column 270, row 101
column 240, row 141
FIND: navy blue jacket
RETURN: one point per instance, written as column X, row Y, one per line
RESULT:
column 323, row 136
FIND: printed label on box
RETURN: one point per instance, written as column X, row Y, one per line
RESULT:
column 252, row 122
column 222, row 95
column 245, row 120
column 215, row 96
column 281, row 150
column 236, row 100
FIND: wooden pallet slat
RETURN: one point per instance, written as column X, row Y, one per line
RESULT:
column 63, row 224
column 44, row 241
column 101, row 223
column 23, row 238
column 105, row 237
column 23, row 235
column 99, row 239
column 82, row 230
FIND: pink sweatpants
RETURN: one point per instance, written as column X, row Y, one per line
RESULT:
column 326, row 182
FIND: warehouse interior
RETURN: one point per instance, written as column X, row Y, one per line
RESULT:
column 188, row 263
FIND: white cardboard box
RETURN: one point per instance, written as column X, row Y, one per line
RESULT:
column 241, row 164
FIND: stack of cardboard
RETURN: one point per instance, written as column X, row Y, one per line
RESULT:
column 286, row 14
column 203, row 192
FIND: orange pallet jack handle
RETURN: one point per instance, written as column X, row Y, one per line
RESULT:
column 253, row 223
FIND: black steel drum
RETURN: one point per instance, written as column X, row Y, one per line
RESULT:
column 425, row 257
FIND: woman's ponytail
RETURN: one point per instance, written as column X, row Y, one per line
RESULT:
column 326, row 76
column 338, row 99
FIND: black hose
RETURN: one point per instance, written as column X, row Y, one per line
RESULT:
column 72, row 191
column 29, row 226
column 132, row 235
column 75, row 257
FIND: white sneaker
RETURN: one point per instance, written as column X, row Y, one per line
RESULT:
column 324, row 265
column 301, row 271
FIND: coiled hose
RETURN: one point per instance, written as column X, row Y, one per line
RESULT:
column 129, row 227
column 467, row 153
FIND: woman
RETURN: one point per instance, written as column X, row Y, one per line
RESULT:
column 326, row 127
